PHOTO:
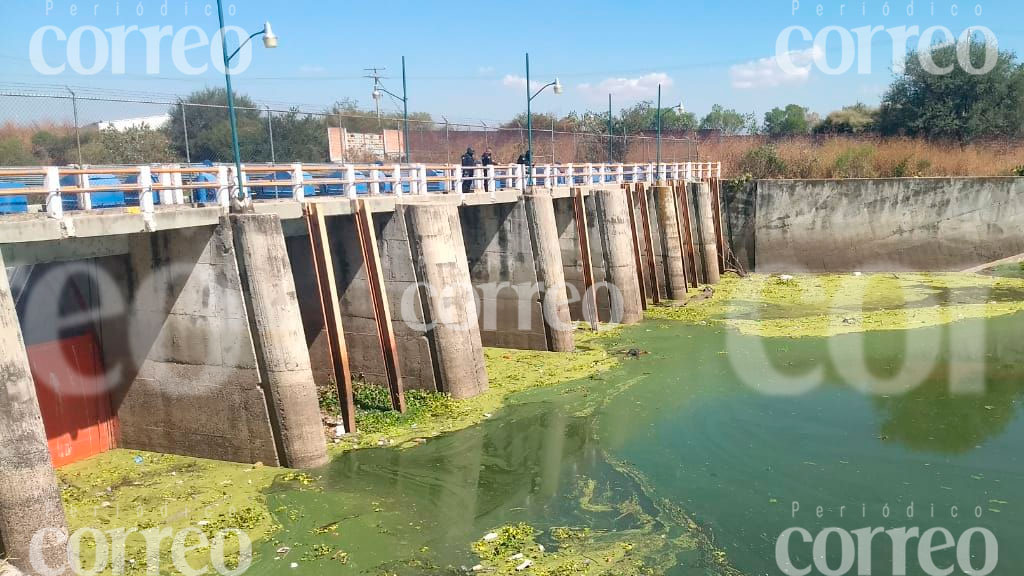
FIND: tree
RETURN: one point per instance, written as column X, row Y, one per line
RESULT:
column 134, row 145
column 300, row 137
column 209, row 128
column 642, row 117
column 13, row 152
column 856, row 119
column 957, row 105
column 728, row 121
column 790, row 121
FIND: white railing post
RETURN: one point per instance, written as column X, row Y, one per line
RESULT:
column 374, row 182
column 570, row 175
column 619, row 176
column 636, row 173
column 489, row 174
column 350, row 181
column 718, row 170
column 178, row 182
column 85, row 197
column 675, row 172
column 700, row 171
column 145, row 190
column 298, row 182
column 456, row 177
column 166, row 194
column 478, row 181
column 223, row 186
column 603, row 173
column 396, row 179
column 552, row 177
column 414, row 180
column 590, row 174
column 422, row 170
column 54, row 204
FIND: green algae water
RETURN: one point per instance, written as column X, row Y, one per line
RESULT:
column 693, row 458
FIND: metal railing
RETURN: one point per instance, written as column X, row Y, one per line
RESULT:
column 61, row 189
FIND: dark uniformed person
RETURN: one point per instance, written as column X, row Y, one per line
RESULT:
column 467, row 174
column 487, row 160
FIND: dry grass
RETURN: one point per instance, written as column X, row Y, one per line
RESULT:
column 869, row 157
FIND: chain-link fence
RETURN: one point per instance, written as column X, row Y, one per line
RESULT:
column 65, row 126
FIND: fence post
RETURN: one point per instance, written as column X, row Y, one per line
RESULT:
column 456, row 177
column 84, row 198
column 145, row 190
column 636, row 173
column 350, row 180
column 298, row 182
column 396, row 179
column 619, row 177
column 224, row 186
column 422, row 169
column 489, row 173
column 551, row 178
column 570, row 174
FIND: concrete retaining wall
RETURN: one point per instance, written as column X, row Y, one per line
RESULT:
column 365, row 357
column 504, row 275
column 891, row 224
column 190, row 385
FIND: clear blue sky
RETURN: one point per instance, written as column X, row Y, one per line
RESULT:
column 465, row 59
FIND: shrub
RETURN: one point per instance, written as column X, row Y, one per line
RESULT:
column 763, row 162
column 855, row 162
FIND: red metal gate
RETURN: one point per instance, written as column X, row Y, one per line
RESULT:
column 73, row 398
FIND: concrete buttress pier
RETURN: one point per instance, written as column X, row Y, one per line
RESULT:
column 29, row 495
column 540, row 213
column 705, row 228
column 613, row 246
column 671, row 243
column 282, row 357
column 443, row 273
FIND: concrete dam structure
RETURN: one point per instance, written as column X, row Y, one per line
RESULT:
column 193, row 320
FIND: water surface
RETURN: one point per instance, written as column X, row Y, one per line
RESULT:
column 681, row 426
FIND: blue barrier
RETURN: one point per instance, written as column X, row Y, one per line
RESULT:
column 13, row 204
column 100, row 198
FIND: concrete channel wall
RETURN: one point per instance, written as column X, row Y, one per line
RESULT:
column 939, row 224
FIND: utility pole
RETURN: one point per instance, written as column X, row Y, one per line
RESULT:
column 378, row 93
column 376, row 74
column 609, row 128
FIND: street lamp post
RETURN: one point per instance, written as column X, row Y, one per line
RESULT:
column 378, row 88
column 269, row 41
column 657, row 170
column 557, row 88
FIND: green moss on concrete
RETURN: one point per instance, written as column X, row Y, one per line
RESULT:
column 509, row 371
column 827, row 305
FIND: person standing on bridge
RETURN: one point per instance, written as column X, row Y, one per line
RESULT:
column 468, row 169
column 487, row 160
